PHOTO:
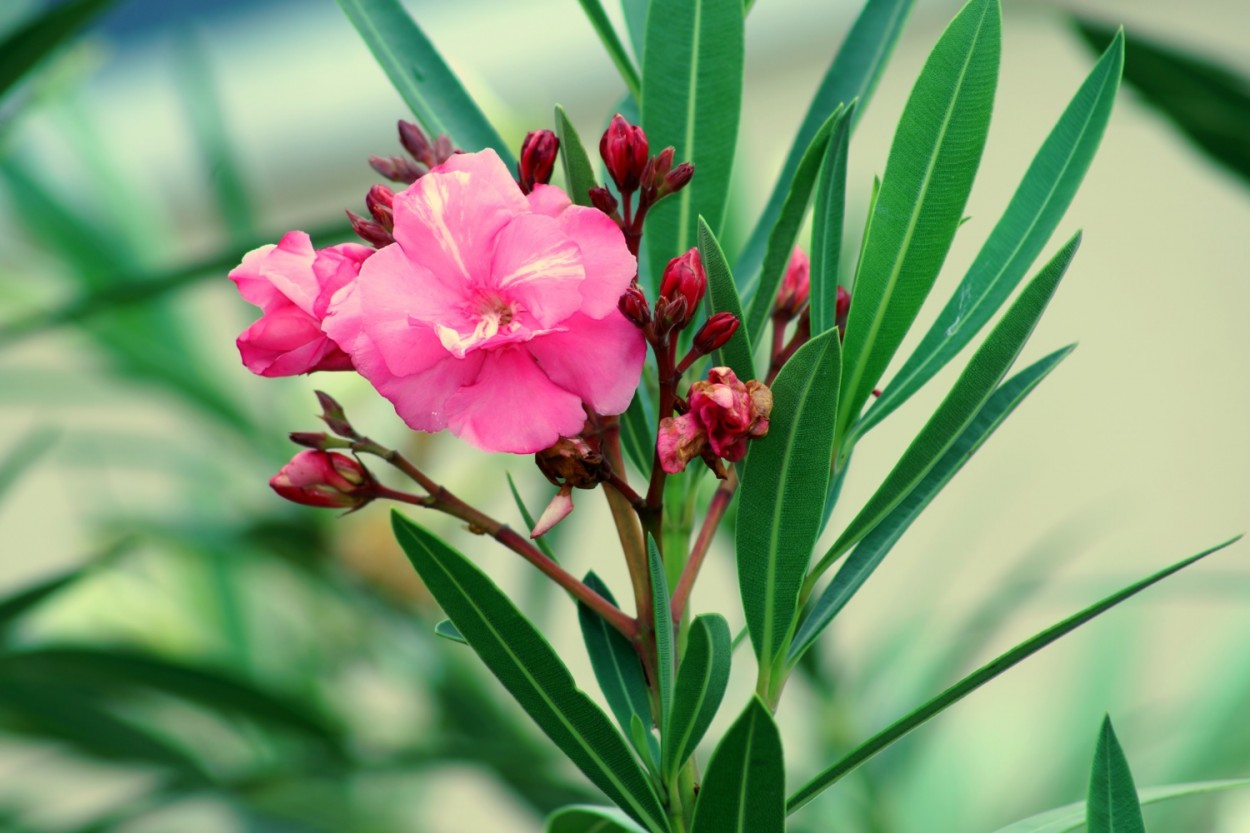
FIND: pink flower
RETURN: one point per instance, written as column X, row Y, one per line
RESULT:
column 494, row 314
column 292, row 284
column 724, row 414
column 325, row 479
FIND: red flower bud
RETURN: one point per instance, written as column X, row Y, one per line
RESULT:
column 375, row 234
column 380, row 201
column 333, row 415
column 841, row 310
column 633, row 305
column 715, row 332
column 602, row 199
column 682, row 288
column 796, row 286
column 538, row 158
column 657, row 168
column 677, row 178
column 415, row 142
column 398, row 168
column 325, row 479
column 624, row 151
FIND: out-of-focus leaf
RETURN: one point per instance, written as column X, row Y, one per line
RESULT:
column 20, row 602
column 701, row 682
column 852, row 76
column 1035, row 210
column 1004, row 662
column 691, row 99
column 421, row 76
column 24, row 454
column 782, row 500
column 827, row 218
column 615, row 663
column 518, row 655
column 975, row 385
column 928, row 176
column 1072, row 816
column 873, row 549
column 722, row 295
column 1112, row 804
column 579, row 175
column 30, row 43
column 1207, row 102
column 612, row 42
column 587, row 819
column 447, row 630
column 745, row 786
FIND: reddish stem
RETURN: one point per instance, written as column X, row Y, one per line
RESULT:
column 690, row 573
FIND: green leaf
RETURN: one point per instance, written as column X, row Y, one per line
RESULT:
column 531, row 671
column 783, row 493
column 985, row 370
column 701, row 682
column 745, row 786
column 691, row 98
column 581, row 818
column 1031, row 217
column 24, row 454
column 421, row 76
column 612, row 42
column 1112, row 805
column 447, row 630
column 636, row 24
column 33, row 41
column 852, row 76
column 18, row 603
column 877, row 544
column 637, row 432
column 665, row 645
column 827, row 226
column 722, row 295
column 762, row 288
column 1207, row 102
column 978, row 678
column 924, row 189
column 1072, row 816
column 528, row 517
column 615, row 662
column 579, row 175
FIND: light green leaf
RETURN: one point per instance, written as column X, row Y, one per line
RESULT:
column 1004, row 662
column 1112, row 805
column 34, row 40
column 24, row 454
column 744, row 789
column 447, row 630
column 579, row 175
column 701, row 682
column 532, row 672
column 691, row 98
column 581, row 818
column 615, row 662
column 722, row 295
column 827, row 218
column 421, row 76
column 852, row 76
column 928, row 175
column 665, row 645
column 1072, row 816
column 975, row 385
column 612, row 42
column 783, row 494
column 873, row 549
column 1035, row 210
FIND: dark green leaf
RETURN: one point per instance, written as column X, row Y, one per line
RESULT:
column 1112, row 805
column 532, row 672
column 636, row 24
column 985, row 370
column 421, row 76
column 691, row 98
column 637, row 432
column 1072, row 816
column 928, row 175
column 665, row 645
column 447, row 630
column 745, row 786
column 612, row 42
column 851, row 77
column 30, row 43
column 615, row 662
column 1035, row 210
column 579, row 175
column 701, row 682
column 878, row 543
column 782, row 499
column 586, row 819
column 827, row 225
column 722, row 295
column 978, row 678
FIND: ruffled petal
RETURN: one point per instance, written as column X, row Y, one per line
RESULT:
column 335, row 267
column 538, row 266
column 272, row 275
column 488, row 170
column 599, row 361
column 285, row 342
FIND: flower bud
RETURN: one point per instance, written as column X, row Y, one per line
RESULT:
column 796, row 286
column 624, row 151
column 633, row 305
column 677, row 178
column 841, row 310
column 602, row 199
column 333, row 415
column 559, row 508
column 538, row 159
column 715, row 332
column 398, row 168
column 380, row 201
column 681, row 289
column 657, row 168
column 415, row 142
column 443, row 149
column 325, row 479
column 375, row 234
column 319, row 440
column 572, row 462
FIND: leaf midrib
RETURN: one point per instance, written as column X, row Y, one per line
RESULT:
column 692, row 104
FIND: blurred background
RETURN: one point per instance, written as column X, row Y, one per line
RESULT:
column 181, row 650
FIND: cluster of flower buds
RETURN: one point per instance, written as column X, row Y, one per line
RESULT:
column 722, row 415
column 326, row 479
column 795, row 290
column 377, row 232
column 422, row 156
column 570, row 464
column 538, row 159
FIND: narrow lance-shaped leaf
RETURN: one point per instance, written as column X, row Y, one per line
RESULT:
column 975, row 385
column 928, row 175
column 1071, row 817
column 586, row 819
column 447, row 630
column 783, row 491
column 827, row 219
column 612, row 43
column 878, row 543
column 665, row 645
column 637, row 430
column 579, row 175
column 636, row 24
column 701, row 682
column 31, row 42
column 722, row 295
column 1035, row 210
column 615, row 662
column 852, row 76
column 745, row 786
column 532, row 672
column 691, row 99
column 422, row 77
column 1004, row 662
column 1112, row 804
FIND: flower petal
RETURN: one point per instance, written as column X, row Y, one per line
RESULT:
column 286, row 341
column 273, row 274
column 539, row 266
column 548, row 200
column 605, row 257
column 599, row 361
column 335, row 267
column 488, row 170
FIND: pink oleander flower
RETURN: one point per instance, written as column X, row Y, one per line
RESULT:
column 796, row 285
column 324, row 479
column 494, row 314
column 292, row 284
column 724, row 414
